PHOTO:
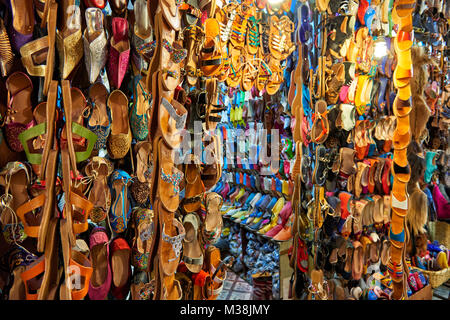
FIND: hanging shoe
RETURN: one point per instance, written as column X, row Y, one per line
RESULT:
column 95, row 43
column 119, row 53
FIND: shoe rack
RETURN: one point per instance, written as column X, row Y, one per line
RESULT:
column 399, row 233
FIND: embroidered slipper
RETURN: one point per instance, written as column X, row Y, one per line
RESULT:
column 121, row 206
column 69, row 43
column 144, row 225
column 139, row 115
column 19, row 111
column 99, row 119
column 120, row 268
column 119, row 140
column 100, row 283
column 119, row 53
column 98, row 170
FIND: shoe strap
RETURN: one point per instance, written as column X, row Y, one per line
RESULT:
column 399, row 204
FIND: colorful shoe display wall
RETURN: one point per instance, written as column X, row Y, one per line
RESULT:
column 361, row 116
column 143, row 144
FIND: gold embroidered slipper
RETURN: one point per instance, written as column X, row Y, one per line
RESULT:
column 70, row 44
column 119, row 140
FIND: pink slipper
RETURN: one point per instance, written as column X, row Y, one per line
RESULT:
column 100, row 282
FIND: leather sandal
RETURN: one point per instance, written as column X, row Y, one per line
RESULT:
column 320, row 128
column 41, row 135
column 212, row 227
column 192, row 250
column 15, row 178
column 211, row 54
column 121, row 205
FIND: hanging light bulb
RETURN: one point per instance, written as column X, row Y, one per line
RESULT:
column 275, row 2
column 379, row 49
